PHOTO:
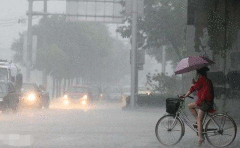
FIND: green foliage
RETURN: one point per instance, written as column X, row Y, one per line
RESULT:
column 163, row 84
column 73, row 49
column 164, row 23
column 53, row 60
column 153, row 100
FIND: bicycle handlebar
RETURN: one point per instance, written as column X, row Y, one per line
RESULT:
column 187, row 96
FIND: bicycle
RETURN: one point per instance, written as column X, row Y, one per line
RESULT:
column 219, row 129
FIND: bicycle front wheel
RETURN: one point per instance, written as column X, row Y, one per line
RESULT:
column 220, row 130
column 169, row 130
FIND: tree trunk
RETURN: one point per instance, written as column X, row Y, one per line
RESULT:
column 64, row 85
column 71, row 82
column 53, row 88
column 77, row 80
column 177, row 52
column 44, row 79
column 57, row 88
column 60, row 88
column 68, row 83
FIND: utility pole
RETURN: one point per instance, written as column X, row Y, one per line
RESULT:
column 45, row 42
column 29, row 42
column 225, row 53
column 164, row 59
column 134, row 71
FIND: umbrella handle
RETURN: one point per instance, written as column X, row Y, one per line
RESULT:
column 190, row 97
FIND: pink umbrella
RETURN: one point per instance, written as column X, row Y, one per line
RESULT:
column 192, row 63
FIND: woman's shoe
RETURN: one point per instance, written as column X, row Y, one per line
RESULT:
column 195, row 125
column 200, row 142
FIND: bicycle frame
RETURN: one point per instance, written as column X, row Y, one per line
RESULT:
column 184, row 119
column 213, row 125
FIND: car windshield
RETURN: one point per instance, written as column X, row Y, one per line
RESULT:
column 95, row 89
column 29, row 87
column 77, row 89
column 3, row 89
column 3, row 74
column 113, row 90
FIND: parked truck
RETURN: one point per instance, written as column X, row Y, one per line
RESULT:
column 9, row 72
column 11, row 84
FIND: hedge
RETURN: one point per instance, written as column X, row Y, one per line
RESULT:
column 156, row 100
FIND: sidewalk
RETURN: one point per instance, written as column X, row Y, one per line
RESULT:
column 232, row 108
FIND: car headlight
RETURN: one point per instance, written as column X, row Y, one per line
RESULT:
column 31, row 97
column 65, row 96
column 84, row 102
column 85, row 97
column 1, row 99
column 66, row 102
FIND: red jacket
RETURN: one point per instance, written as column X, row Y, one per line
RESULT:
column 205, row 90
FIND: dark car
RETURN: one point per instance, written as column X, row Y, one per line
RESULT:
column 45, row 95
column 8, row 97
column 32, row 96
column 78, row 95
column 96, row 92
column 112, row 94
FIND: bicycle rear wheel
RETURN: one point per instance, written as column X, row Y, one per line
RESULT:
column 169, row 131
column 220, row 130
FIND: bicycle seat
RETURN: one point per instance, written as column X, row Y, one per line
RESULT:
column 211, row 111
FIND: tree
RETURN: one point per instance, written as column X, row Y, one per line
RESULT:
column 74, row 49
column 164, row 23
column 54, row 61
column 164, row 84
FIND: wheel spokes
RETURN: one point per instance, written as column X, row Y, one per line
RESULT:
column 169, row 130
column 221, row 131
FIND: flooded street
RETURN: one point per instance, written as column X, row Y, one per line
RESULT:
column 103, row 125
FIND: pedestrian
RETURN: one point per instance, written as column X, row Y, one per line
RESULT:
column 204, row 102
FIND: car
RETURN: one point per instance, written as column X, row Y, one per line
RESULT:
column 8, row 97
column 45, row 96
column 78, row 94
column 126, row 91
column 112, row 94
column 144, row 90
column 96, row 92
column 32, row 96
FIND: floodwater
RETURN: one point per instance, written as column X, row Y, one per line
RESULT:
column 103, row 125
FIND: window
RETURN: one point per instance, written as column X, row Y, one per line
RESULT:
column 3, row 88
column 3, row 74
column 11, row 87
column 78, row 89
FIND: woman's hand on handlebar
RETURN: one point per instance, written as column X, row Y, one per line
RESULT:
column 181, row 96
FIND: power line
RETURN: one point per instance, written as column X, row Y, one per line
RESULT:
column 12, row 22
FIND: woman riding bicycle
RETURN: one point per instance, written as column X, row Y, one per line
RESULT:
column 205, row 99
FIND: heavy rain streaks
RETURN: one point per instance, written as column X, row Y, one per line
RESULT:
column 97, row 74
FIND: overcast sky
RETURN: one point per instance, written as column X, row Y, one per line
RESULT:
column 12, row 10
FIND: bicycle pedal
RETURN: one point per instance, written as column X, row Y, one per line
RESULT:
column 194, row 125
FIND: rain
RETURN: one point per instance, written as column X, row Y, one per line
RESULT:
column 98, row 74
